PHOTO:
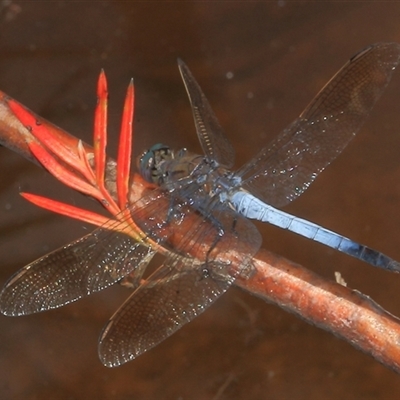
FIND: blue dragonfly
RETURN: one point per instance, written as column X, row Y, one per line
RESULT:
column 200, row 214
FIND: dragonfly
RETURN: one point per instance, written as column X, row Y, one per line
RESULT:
column 199, row 213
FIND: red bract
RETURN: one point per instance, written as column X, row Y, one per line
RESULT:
column 81, row 169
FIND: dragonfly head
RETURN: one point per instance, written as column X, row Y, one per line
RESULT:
column 149, row 162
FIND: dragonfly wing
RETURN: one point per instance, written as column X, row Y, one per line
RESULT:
column 214, row 143
column 285, row 169
column 87, row 265
column 181, row 288
column 155, row 311
column 84, row 266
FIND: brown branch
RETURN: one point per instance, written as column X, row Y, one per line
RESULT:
column 13, row 135
column 328, row 305
column 340, row 310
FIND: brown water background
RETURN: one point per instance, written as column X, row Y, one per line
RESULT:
column 259, row 63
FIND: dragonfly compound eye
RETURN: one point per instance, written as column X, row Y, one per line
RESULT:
column 149, row 162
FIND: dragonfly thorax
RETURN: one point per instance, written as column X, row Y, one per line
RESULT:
column 194, row 176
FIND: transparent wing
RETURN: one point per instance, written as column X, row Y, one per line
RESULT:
column 284, row 170
column 155, row 311
column 182, row 287
column 84, row 266
column 87, row 265
column 213, row 141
